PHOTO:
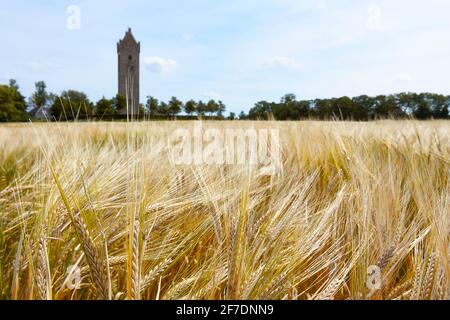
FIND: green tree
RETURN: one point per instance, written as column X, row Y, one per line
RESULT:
column 288, row 108
column 439, row 105
column 13, row 84
column 71, row 104
column 323, row 109
column 141, row 111
column 387, row 107
column 40, row 96
column 261, row 110
column 105, row 107
column 152, row 105
column 423, row 111
column 201, row 108
column 212, row 107
column 363, row 105
column 175, row 106
column 344, row 108
column 407, row 102
column 119, row 103
column 288, row 98
column 221, row 109
column 232, row 116
column 12, row 103
column 163, row 108
column 190, row 107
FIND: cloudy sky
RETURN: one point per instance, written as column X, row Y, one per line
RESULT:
column 240, row 51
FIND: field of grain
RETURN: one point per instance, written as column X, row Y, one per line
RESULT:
column 356, row 211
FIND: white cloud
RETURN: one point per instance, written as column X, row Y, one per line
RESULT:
column 187, row 36
column 212, row 95
column 373, row 22
column 282, row 62
column 160, row 65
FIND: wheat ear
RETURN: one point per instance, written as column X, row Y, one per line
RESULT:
column 399, row 290
column 155, row 272
column 330, row 291
column 96, row 267
column 415, row 291
column 135, row 291
column 386, row 258
column 43, row 272
column 427, row 284
column 441, row 284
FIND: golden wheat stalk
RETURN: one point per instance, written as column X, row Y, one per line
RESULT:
column 154, row 273
column 96, row 266
column 336, row 200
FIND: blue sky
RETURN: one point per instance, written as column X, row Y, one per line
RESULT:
column 238, row 51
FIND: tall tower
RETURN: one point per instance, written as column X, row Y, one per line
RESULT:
column 128, row 50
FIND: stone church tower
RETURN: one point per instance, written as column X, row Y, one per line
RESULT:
column 128, row 50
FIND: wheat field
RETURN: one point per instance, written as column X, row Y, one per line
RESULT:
column 356, row 211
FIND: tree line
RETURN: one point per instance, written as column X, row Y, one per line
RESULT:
column 71, row 104
column 362, row 108
column 175, row 106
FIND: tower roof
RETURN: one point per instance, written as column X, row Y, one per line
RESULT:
column 128, row 38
